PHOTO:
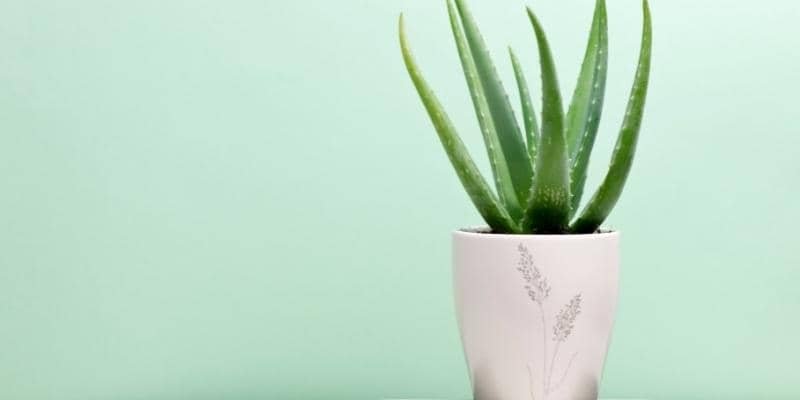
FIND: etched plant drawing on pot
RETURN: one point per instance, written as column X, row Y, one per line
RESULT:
column 538, row 289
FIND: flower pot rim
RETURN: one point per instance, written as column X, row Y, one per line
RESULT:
column 485, row 232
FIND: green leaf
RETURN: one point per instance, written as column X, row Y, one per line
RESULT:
column 583, row 117
column 477, row 188
column 501, row 171
column 603, row 201
column 528, row 112
column 512, row 146
column 548, row 207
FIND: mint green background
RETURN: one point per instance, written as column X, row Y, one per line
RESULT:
column 208, row 199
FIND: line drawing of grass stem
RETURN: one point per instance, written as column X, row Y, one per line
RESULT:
column 566, row 372
column 552, row 368
column 544, row 345
column 530, row 381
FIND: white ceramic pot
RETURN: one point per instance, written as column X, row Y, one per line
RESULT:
column 535, row 312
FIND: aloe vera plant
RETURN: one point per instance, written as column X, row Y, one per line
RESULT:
column 539, row 169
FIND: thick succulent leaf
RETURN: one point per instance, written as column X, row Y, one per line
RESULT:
column 477, row 188
column 528, row 111
column 501, row 169
column 583, row 117
column 548, row 206
column 512, row 144
column 603, row 201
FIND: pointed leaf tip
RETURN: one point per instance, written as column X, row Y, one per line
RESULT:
column 528, row 111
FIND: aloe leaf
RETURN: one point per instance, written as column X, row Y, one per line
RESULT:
column 548, row 206
column 512, row 146
column 583, row 117
column 501, row 170
column 606, row 196
column 528, row 111
column 472, row 180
